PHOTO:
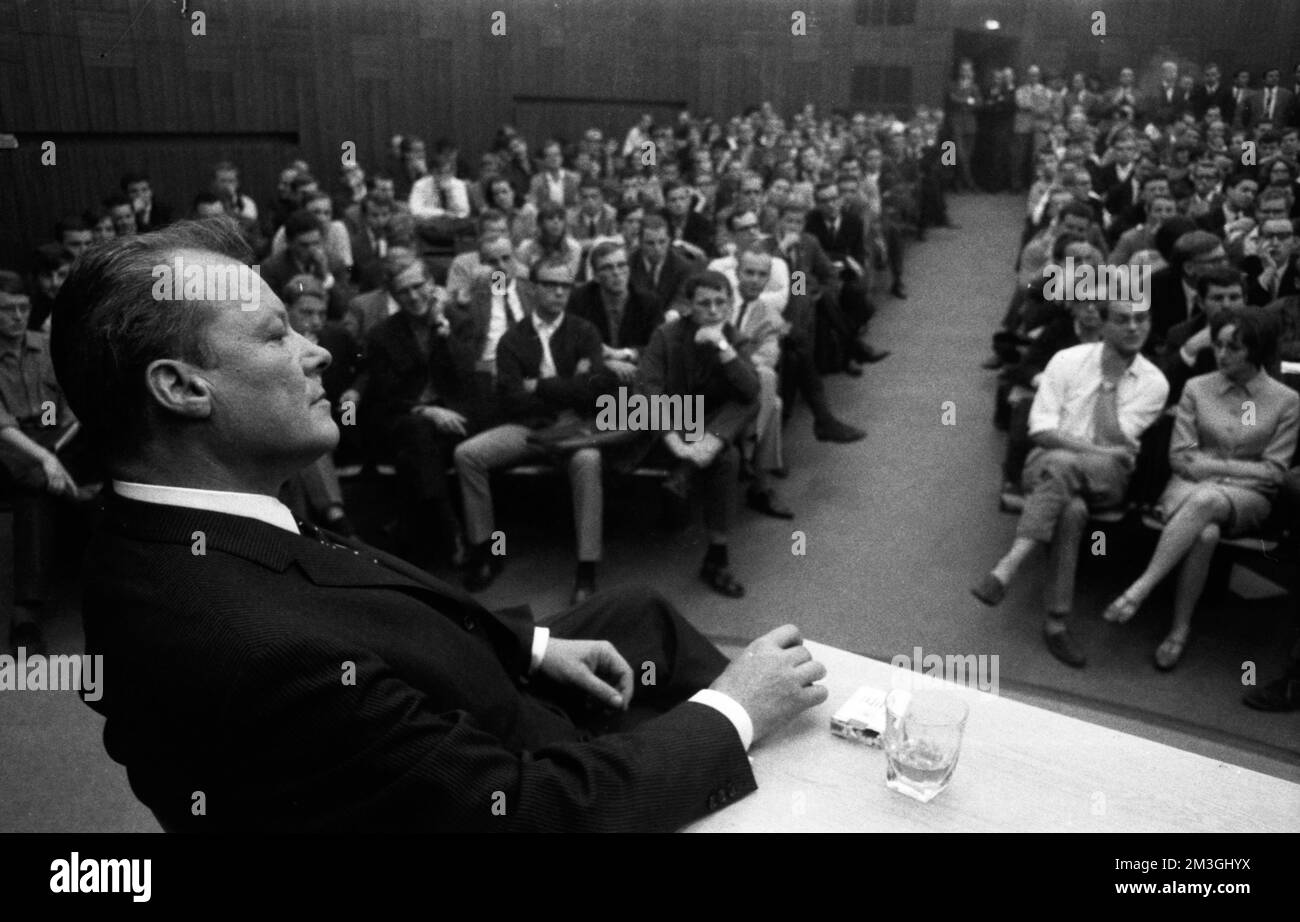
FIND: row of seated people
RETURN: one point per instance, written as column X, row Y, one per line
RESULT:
column 824, row 201
column 483, row 394
column 1174, row 395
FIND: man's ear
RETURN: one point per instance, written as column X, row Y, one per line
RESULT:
column 178, row 387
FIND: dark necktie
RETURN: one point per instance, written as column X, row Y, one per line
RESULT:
column 740, row 317
column 1106, row 429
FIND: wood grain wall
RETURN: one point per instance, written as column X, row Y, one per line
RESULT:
column 121, row 84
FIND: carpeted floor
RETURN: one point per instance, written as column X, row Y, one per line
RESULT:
column 895, row 530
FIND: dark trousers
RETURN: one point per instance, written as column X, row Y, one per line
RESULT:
column 422, row 455
column 799, row 376
column 670, row 659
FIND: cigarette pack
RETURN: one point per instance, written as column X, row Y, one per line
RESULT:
column 862, row 717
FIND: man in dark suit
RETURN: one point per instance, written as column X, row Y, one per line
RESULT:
column 1272, row 273
column 964, row 100
column 1270, row 103
column 369, row 237
column 318, row 685
column 623, row 314
column 1231, row 213
column 304, row 254
column 842, row 237
column 687, row 228
column 1212, row 92
column 656, row 266
column 549, row 369
column 498, row 300
column 149, row 214
column 1173, row 288
column 422, row 399
column 1168, row 101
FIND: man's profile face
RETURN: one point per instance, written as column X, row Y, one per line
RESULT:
column 1220, row 298
column 752, row 274
column 654, row 244
column 613, row 272
column 1125, row 328
column 554, row 283
column 267, row 402
column 76, row 241
column 710, row 306
column 14, row 311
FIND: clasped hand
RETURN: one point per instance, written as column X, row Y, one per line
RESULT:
column 593, row 666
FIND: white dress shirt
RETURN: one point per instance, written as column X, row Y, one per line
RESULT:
column 1068, row 389
column 429, row 200
column 499, row 322
column 545, row 330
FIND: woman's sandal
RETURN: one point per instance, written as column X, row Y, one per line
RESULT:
column 1121, row 610
column 720, row 580
column 1170, row 652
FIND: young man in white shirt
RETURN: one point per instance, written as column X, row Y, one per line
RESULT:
column 1093, row 403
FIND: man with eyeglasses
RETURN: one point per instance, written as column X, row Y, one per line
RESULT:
column 1094, row 402
column 624, row 315
column 421, row 399
column 549, row 370
column 1272, row 270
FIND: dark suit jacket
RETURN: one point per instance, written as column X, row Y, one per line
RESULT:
column 696, row 230
column 478, row 310
column 676, row 270
column 160, row 215
column 850, row 240
column 674, row 363
column 519, row 356
column 1169, row 307
column 641, row 314
column 1252, row 110
column 1214, row 220
column 819, row 280
column 398, row 372
column 1201, row 100
column 346, row 361
column 278, row 269
column 309, row 688
column 1251, row 267
column 1178, row 372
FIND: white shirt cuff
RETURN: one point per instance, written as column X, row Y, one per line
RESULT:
column 730, row 709
column 541, row 637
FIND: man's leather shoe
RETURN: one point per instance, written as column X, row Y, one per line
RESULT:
column 832, row 430
column 872, row 355
column 989, row 590
column 28, row 636
column 1277, row 696
column 721, row 581
column 992, row 363
column 898, row 291
column 853, row 369
column 1065, row 648
column 766, row 502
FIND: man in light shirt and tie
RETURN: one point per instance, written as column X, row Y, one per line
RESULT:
column 1093, row 403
